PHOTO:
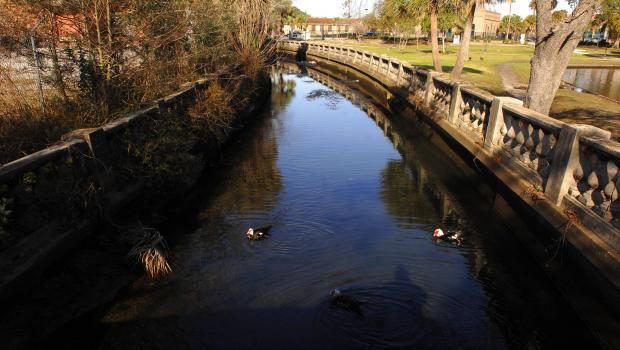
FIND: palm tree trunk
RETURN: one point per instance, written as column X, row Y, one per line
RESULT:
column 464, row 47
column 509, row 16
column 434, row 42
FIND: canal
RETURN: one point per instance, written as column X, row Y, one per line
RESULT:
column 353, row 196
column 601, row 81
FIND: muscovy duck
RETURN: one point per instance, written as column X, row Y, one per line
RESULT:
column 449, row 235
column 259, row 233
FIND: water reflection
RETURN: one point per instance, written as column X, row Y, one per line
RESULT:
column 430, row 186
column 284, row 90
column 331, row 98
column 602, row 81
column 353, row 207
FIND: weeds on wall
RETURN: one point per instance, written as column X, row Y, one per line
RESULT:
column 150, row 250
column 213, row 113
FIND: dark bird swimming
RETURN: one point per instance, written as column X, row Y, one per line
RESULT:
column 346, row 302
column 259, row 233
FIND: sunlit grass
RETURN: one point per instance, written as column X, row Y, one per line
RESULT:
column 482, row 71
column 152, row 252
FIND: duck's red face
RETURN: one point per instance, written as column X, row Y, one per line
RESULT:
column 438, row 233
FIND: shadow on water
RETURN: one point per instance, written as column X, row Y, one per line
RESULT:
column 353, row 201
column 394, row 317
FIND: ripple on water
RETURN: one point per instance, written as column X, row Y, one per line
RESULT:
column 393, row 316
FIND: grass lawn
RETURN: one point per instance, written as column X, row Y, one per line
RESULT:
column 483, row 70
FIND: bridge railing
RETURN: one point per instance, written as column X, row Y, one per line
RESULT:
column 573, row 166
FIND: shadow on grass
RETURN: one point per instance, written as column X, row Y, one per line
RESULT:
column 411, row 42
column 610, row 53
column 441, row 53
column 448, row 69
column 591, row 116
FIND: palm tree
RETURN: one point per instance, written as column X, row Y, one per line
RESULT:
column 529, row 24
column 554, row 4
column 470, row 7
column 509, row 16
column 433, row 7
column 418, row 8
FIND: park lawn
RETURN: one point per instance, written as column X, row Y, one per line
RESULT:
column 482, row 70
column 582, row 108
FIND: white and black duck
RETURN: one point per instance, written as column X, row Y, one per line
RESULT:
column 259, row 233
column 449, row 235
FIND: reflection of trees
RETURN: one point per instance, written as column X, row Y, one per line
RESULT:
column 422, row 185
column 253, row 181
column 283, row 91
column 332, row 98
column 402, row 196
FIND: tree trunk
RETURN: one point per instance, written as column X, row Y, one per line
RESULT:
column 463, row 52
column 434, row 42
column 110, row 41
column 52, row 45
column 554, row 45
column 443, row 42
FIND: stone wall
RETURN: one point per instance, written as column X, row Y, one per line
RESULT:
column 53, row 198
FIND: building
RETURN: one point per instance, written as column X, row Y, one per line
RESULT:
column 486, row 22
column 326, row 27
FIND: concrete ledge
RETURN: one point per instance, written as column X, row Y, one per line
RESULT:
column 33, row 161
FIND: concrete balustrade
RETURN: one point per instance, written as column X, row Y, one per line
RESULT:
column 547, row 150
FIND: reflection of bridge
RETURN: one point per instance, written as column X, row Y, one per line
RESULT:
column 426, row 193
column 435, row 191
column 563, row 178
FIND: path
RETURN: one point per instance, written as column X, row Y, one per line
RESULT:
column 510, row 81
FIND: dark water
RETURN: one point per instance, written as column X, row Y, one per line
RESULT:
column 353, row 201
column 602, row 81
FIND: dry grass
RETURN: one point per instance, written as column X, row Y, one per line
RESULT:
column 252, row 42
column 215, row 109
column 152, row 252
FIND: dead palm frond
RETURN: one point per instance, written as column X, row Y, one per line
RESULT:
column 252, row 40
column 152, row 252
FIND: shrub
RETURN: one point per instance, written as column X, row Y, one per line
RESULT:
column 151, row 251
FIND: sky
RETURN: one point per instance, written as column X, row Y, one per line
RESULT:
column 333, row 8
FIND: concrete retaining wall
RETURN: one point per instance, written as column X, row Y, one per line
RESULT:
column 54, row 197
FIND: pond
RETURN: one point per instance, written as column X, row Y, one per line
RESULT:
column 353, row 197
column 602, row 81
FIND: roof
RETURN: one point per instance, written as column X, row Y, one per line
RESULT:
column 325, row 20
